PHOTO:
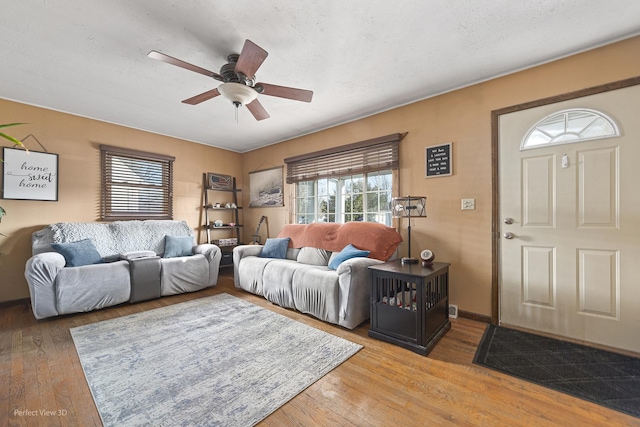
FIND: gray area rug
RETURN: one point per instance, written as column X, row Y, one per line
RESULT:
column 214, row 361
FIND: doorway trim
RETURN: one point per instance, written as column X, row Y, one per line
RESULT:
column 495, row 178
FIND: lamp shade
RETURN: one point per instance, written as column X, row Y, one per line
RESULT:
column 409, row 206
column 237, row 93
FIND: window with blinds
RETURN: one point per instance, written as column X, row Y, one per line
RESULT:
column 135, row 184
column 366, row 156
column 349, row 183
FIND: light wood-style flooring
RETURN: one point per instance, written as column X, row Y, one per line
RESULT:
column 382, row 385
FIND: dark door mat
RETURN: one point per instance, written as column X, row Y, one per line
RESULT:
column 599, row 376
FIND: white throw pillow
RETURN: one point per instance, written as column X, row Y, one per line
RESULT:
column 313, row 256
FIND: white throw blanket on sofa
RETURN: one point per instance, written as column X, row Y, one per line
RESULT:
column 112, row 239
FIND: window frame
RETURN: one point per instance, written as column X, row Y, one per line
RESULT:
column 108, row 212
column 560, row 138
column 343, row 197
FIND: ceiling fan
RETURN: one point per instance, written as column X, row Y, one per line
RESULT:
column 239, row 82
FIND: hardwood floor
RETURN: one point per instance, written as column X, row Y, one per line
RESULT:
column 382, row 385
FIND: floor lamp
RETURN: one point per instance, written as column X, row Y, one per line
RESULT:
column 409, row 207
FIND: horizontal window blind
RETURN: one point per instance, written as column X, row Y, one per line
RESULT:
column 135, row 184
column 366, row 156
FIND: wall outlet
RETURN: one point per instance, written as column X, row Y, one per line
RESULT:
column 468, row 204
column 453, row 311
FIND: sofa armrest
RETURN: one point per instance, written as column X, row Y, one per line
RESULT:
column 240, row 252
column 357, row 263
column 355, row 288
column 41, row 271
column 214, row 255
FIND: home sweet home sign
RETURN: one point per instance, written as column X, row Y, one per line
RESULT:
column 29, row 175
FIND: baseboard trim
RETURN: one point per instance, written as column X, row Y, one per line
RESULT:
column 474, row 316
column 461, row 313
column 13, row 303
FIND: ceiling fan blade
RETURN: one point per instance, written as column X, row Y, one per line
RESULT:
column 257, row 110
column 251, row 57
column 286, row 92
column 202, row 97
column 174, row 61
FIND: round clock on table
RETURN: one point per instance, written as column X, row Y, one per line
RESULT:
column 427, row 257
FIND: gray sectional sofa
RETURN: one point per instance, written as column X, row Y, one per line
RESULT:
column 301, row 277
column 96, row 265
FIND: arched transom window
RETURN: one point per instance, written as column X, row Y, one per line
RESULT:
column 568, row 126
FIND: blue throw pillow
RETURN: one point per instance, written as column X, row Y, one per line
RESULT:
column 348, row 252
column 275, row 248
column 175, row 246
column 76, row 254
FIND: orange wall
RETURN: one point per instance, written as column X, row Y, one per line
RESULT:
column 462, row 238
column 76, row 140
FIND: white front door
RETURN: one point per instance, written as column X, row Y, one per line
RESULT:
column 571, row 266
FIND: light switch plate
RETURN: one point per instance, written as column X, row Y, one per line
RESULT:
column 468, row 204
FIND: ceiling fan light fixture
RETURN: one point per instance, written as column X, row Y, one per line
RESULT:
column 237, row 93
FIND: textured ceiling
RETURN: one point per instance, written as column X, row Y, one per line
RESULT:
column 89, row 58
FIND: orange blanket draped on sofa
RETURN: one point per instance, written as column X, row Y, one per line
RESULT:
column 381, row 240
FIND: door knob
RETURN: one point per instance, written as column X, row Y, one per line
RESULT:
column 509, row 236
column 508, row 221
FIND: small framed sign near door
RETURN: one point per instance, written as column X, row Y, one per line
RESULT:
column 439, row 160
column 29, row 175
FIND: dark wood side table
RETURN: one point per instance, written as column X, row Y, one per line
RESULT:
column 410, row 304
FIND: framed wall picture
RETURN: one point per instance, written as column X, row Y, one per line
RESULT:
column 439, row 160
column 266, row 188
column 29, row 175
column 216, row 181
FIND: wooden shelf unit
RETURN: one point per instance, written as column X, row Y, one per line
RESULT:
column 232, row 213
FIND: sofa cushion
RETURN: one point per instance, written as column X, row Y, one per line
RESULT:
column 275, row 248
column 381, row 240
column 316, row 290
column 179, row 275
column 79, row 253
column 176, row 246
column 92, row 287
column 250, row 272
column 313, row 256
column 348, row 252
column 277, row 280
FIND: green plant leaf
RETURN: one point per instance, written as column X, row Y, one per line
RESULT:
column 11, row 124
column 16, row 142
column 12, row 139
column 2, row 213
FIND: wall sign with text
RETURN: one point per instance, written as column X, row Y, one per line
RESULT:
column 439, row 160
column 29, row 175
